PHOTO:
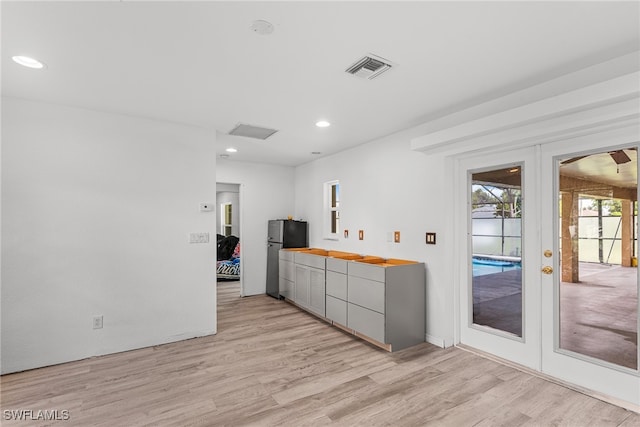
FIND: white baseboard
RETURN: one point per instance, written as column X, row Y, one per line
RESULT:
column 435, row 340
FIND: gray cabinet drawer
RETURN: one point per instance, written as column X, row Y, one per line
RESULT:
column 301, row 285
column 366, row 271
column 367, row 322
column 337, row 285
column 337, row 265
column 317, row 291
column 286, row 288
column 366, row 293
column 316, row 261
column 287, row 270
column 286, row 255
column 337, row 310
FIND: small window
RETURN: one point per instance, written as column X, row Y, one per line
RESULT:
column 227, row 224
column 332, row 209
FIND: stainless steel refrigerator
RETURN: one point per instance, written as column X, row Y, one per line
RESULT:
column 283, row 233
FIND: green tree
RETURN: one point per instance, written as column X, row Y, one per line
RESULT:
column 614, row 206
column 481, row 197
column 505, row 200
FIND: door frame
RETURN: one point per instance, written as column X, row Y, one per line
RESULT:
column 522, row 350
column 240, row 187
column 612, row 383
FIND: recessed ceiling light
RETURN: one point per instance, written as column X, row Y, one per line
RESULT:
column 28, row 62
column 262, row 27
column 231, row 150
column 323, row 124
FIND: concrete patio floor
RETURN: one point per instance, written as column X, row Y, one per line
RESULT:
column 598, row 316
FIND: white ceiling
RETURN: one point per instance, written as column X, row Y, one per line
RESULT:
column 198, row 63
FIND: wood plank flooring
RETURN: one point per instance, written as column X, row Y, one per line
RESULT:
column 271, row 364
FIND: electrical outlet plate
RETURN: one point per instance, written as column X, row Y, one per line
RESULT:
column 360, row 234
column 396, row 236
column 198, row 237
column 346, row 234
column 431, row 238
column 97, row 322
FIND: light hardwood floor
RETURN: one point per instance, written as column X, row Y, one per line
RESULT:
column 271, row 364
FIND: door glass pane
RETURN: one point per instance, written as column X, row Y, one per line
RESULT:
column 598, row 280
column 496, row 242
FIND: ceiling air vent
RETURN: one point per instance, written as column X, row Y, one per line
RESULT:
column 369, row 67
column 250, row 131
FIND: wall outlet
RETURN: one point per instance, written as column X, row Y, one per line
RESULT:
column 431, row 238
column 396, row 236
column 360, row 234
column 97, row 322
column 198, row 237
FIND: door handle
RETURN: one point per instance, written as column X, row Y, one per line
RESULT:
column 548, row 253
column 547, row 269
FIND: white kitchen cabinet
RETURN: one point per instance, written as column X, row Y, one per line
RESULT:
column 317, row 290
column 336, row 282
column 366, row 322
column 381, row 301
column 309, row 281
column 386, row 301
column 336, row 310
column 287, row 274
column 302, row 284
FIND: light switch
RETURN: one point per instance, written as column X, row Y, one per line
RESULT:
column 360, row 234
column 346, row 234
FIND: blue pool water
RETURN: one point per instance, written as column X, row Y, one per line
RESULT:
column 483, row 266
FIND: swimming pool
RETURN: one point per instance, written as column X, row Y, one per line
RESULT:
column 484, row 266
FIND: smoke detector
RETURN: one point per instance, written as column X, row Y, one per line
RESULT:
column 251, row 131
column 369, row 67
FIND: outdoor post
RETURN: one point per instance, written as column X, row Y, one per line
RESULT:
column 627, row 230
column 570, row 237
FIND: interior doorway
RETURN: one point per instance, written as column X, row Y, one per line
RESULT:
column 229, row 265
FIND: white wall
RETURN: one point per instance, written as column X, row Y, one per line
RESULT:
column 386, row 187
column 96, row 210
column 266, row 192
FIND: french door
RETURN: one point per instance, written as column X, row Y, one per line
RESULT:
column 589, row 293
column 549, row 254
column 499, row 292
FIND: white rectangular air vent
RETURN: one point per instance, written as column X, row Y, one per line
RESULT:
column 250, row 131
column 369, row 67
